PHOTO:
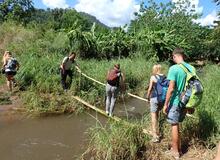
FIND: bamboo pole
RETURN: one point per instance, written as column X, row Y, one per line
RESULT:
column 92, row 79
column 96, row 109
column 140, row 98
column 130, row 94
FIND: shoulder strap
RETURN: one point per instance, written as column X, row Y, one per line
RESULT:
column 65, row 59
column 186, row 70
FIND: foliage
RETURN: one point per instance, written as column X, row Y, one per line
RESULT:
column 162, row 27
column 16, row 10
column 117, row 142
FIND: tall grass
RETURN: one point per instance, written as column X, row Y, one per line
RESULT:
column 40, row 55
column 119, row 141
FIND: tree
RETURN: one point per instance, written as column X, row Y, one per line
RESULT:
column 159, row 28
column 17, row 10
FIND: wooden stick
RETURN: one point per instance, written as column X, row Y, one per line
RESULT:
column 143, row 99
column 92, row 79
column 103, row 113
column 96, row 108
column 132, row 95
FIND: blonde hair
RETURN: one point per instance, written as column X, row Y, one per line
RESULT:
column 6, row 55
column 156, row 69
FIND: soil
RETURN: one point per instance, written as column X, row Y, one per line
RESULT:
column 10, row 103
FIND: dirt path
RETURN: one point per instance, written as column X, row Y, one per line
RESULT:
column 10, row 103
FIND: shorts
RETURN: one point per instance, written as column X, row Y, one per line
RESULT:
column 175, row 114
column 10, row 73
column 154, row 106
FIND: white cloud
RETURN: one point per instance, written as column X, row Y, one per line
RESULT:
column 113, row 13
column 194, row 4
column 55, row 3
column 209, row 19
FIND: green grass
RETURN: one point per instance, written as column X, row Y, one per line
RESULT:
column 117, row 141
column 4, row 99
column 40, row 56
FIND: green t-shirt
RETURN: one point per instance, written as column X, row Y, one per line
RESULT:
column 177, row 74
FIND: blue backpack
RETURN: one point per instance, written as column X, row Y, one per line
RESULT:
column 11, row 65
column 161, row 89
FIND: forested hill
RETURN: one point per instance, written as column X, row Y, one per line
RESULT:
column 93, row 19
column 64, row 19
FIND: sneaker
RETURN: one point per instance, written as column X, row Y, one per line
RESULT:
column 14, row 84
column 107, row 112
column 110, row 115
column 173, row 154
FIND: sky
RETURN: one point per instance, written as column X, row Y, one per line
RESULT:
column 115, row 13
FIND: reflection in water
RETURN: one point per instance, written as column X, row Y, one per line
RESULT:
column 54, row 138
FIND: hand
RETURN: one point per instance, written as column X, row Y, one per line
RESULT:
column 77, row 68
column 165, row 108
column 148, row 98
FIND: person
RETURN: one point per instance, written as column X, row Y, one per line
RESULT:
column 65, row 69
column 114, row 77
column 174, row 110
column 10, row 68
column 152, row 97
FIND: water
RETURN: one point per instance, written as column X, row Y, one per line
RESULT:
column 53, row 138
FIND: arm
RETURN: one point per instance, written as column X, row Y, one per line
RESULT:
column 62, row 66
column 150, row 88
column 123, row 85
column 123, row 77
column 168, row 96
column 4, row 63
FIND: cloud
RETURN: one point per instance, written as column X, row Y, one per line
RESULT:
column 55, row 3
column 194, row 4
column 209, row 19
column 113, row 13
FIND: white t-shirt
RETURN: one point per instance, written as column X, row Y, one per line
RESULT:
column 67, row 63
column 154, row 78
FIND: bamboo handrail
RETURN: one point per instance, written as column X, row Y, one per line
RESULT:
column 130, row 94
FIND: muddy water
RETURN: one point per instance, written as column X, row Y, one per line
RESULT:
column 53, row 138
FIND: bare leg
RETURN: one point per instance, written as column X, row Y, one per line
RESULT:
column 9, row 84
column 175, row 138
column 154, row 120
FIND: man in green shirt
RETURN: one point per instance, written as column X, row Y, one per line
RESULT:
column 172, row 108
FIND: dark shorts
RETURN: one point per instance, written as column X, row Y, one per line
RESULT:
column 176, row 114
column 10, row 73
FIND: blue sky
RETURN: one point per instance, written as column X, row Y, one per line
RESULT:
column 120, row 12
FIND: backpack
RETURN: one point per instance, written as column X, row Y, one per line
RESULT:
column 112, row 77
column 192, row 94
column 161, row 88
column 11, row 64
